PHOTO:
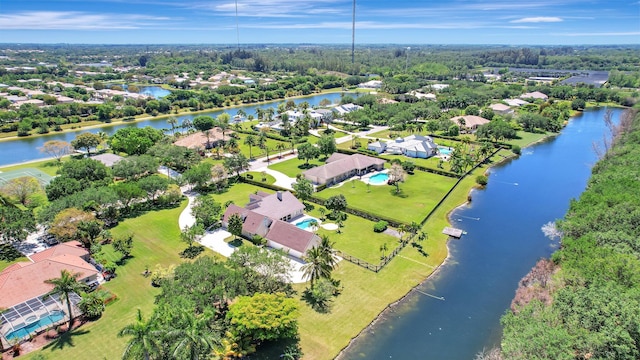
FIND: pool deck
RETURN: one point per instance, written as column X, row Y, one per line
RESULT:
column 365, row 178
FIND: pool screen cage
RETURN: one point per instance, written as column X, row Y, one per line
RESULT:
column 24, row 314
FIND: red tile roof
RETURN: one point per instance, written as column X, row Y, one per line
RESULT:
column 18, row 285
column 199, row 139
column 71, row 248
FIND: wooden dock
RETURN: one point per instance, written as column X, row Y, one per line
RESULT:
column 456, row 233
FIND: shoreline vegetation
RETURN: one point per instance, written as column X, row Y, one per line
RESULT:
column 9, row 136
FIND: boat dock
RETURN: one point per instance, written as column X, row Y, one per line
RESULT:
column 456, row 233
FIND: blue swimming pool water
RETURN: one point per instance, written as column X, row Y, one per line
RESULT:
column 444, row 150
column 23, row 332
column 380, row 178
column 304, row 224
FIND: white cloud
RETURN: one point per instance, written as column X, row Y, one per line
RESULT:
column 74, row 20
column 629, row 33
column 538, row 19
column 272, row 8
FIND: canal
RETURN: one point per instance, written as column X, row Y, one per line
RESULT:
column 26, row 148
column 503, row 241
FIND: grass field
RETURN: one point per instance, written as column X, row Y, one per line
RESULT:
column 156, row 241
column 418, row 196
column 294, row 166
column 49, row 167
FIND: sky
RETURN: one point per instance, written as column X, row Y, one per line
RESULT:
column 511, row 22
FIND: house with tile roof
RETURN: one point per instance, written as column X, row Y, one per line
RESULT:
column 267, row 216
column 501, row 109
column 471, row 122
column 25, row 293
column 202, row 140
column 339, row 167
column 536, row 95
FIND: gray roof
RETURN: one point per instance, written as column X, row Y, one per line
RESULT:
column 108, row 159
column 292, row 236
column 338, row 164
column 276, row 206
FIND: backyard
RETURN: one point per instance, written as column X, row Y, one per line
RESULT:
column 417, row 197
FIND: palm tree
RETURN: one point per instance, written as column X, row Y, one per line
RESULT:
column 251, row 141
column 66, row 284
column 383, row 249
column 280, row 146
column 196, row 337
column 330, row 258
column 315, row 267
column 260, row 113
column 173, row 122
column 187, row 124
column 144, row 338
column 313, row 224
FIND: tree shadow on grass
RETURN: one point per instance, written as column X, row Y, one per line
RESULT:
column 322, row 307
column 399, row 194
column 124, row 260
column 420, row 249
column 237, row 242
column 306, row 166
column 66, row 340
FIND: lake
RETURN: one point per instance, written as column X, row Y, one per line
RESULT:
column 26, row 148
column 502, row 244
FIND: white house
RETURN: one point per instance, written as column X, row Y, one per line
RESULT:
column 415, row 146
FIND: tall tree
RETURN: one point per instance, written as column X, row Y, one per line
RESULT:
column 235, row 225
column 144, row 339
column 56, row 149
column 397, row 175
column 86, row 141
column 236, row 163
column 21, row 188
column 264, row 317
column 307, row 152
column 66, row 284
column 196, row 339
column 327, row 145
column 303, row 189
column 250, row 140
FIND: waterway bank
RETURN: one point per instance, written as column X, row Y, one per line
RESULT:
column 140, row 118
column 480, row 274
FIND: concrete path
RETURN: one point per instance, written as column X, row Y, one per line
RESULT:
column 282, row 180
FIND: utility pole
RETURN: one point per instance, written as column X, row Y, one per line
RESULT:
column 353, row 35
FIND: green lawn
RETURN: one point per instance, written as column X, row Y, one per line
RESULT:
column 49, row 167
column 419, row 194
column 294, row 166
column 527, row 138
column 257, row 176
column 156, row 241
column 356, row 237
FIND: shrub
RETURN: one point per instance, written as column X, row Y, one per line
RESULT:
column 249, row 176
column 516, row 149
column 380, row 226
column 482, row 180
column 192, row 251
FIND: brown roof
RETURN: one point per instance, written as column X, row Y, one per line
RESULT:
column 252, row 222
column 74, row 248
column 19, row 284
column 276, row 206
column 338, row 164
column 199, row 139
column 292, row 237
column 470, row 121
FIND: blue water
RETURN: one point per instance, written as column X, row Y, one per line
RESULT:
column 380, row 178
column 502, row 243
column 155, row 91
column 26, row 149
column 444, row 150
column 304, row 224
column 52, row 318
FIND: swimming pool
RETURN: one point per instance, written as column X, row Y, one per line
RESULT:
column 379, row 179
column 443, row 150
column 44, row 321
column 306, row 223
